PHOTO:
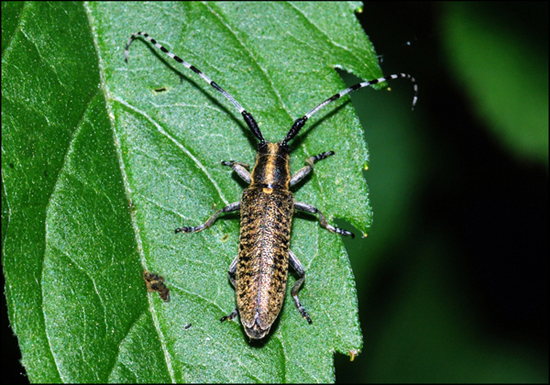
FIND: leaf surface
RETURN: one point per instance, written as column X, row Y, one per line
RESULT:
column 103, row 159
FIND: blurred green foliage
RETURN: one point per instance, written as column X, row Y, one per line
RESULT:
column 504, row 72
column 434, row 275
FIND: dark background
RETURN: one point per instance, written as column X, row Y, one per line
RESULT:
column 453, row 278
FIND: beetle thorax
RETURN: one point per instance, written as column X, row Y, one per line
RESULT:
column 271, row 170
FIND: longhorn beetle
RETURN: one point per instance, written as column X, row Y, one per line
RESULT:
column 259, row 272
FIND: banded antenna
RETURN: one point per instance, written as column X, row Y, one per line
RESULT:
column 299, row 123
column 248, row 118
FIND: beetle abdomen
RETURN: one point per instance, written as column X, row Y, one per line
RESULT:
column 266, row 221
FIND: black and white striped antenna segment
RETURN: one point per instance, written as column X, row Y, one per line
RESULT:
column 299, row 123
column 366, row 84
column 247, row 117
column 181, row 61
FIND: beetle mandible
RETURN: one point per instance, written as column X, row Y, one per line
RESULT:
column 259, row 272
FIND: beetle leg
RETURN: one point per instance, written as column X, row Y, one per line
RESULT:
column 232, row 271
column 240, row 168
column 323, row 222
column 227, row 209
column 302, row 173
column 297, row 266
column 230, row 316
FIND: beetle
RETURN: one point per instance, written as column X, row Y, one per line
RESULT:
column 259, row 271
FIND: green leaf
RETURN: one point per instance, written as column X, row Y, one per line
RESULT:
column 103, row 159
column 483, row 51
